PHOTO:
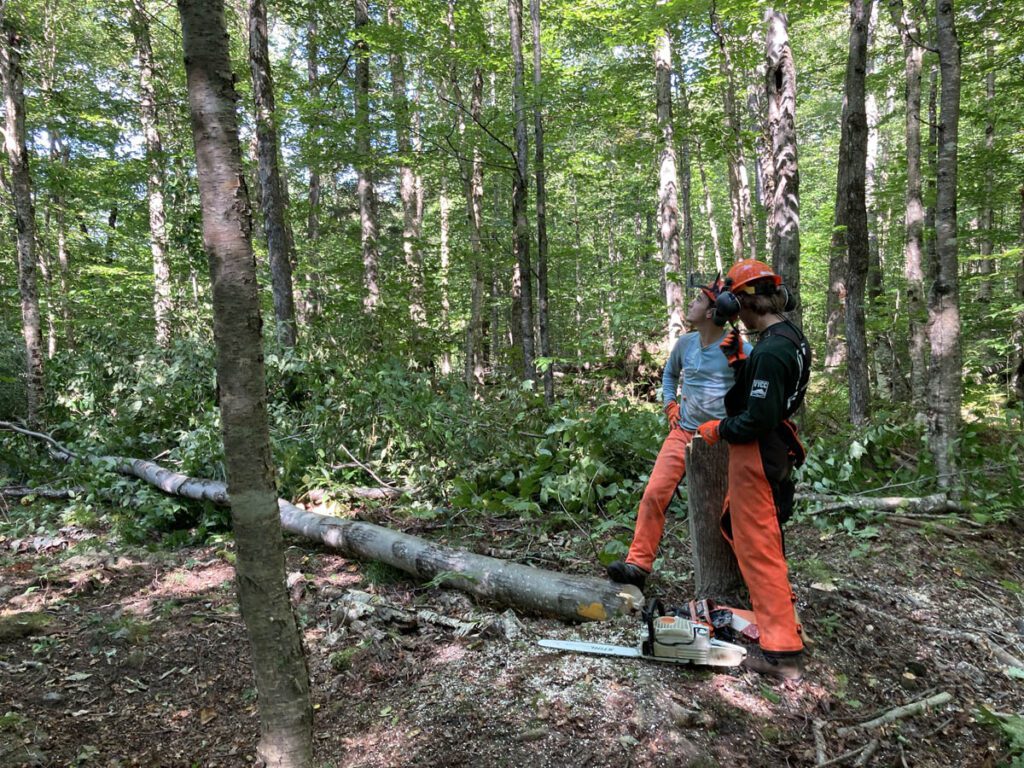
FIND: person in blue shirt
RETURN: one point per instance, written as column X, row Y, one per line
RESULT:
column 694, row 384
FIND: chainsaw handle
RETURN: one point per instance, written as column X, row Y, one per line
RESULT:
column 653, row 610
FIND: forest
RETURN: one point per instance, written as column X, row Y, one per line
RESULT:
column 403, row 276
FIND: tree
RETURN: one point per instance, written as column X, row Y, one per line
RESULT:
column 853, row 197
column 913, row 249
column 162, row 302
column 279, row 241
column 281, row 677
column 945, row 390
column 364, row 151
column 407, row 182
column 668, row 178
column 521, row 236
column 541, row 201
column 780, row 76
column 744, row 239
column 24, row 211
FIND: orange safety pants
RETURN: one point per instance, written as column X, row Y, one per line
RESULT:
column 669, row 470
column 750, row 523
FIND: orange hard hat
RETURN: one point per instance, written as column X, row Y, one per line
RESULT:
column 748, row 271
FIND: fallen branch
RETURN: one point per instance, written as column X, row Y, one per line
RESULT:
column 521, row 586
column 907, row 710
column 937, row 502
column 42, row 492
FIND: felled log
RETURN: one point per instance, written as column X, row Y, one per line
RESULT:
column 565, row 596
column 936, row 502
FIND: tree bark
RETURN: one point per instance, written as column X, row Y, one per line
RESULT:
column 407, row 184
column 444, row 212
column 271, row 184
column 543, row 320
column 521, row 236
column 716, row 573
column 475, row 357
column 685, row 176
column 943, row 302
column 855, row 128
column 709, row 211
column 668, row 178
column 744, row 240
column 59, row 156
column 913, row 249
column 364, row 151
column 987, row 265
column 24, row 213
column 780, row 77
column 281, row 676
column 162, row 302
column 311, row 300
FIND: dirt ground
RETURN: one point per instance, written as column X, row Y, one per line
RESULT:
column 118, row 657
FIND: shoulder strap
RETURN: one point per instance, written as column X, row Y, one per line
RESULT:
column 787, row 330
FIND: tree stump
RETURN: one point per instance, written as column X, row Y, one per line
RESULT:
column 715, row 572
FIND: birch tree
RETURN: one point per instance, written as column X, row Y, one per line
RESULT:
column 282, row 680
column 24, row 211
column 364, row 150
column 945, row 386
column 162, row 302
column 668, row 203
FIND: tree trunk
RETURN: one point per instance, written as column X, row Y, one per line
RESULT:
column 744, row 240
column 24, row 213
column 943, row 301
column 716, row 574
column 475, row 357
column 521, row 236
column 685, row 177
column 282, row 680
column 543, row 321
column 59, row 156
column 569, row 597
column 780, row 77
column 764, row 165
column 987, row 265
column 709, row 211
column 913, row 250
column 271, row 184
column 855, row 129
column 668, row 204
column 162, row 303
column 311, row 300
column 444, row 212
column 364, row 152
column 407, row 184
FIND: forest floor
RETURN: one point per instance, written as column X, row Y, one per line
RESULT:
column 112, row 656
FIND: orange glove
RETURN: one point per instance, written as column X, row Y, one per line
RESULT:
column 732, row 347
column 709, row 431
column 672, row 411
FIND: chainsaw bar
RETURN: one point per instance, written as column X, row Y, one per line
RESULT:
column 717, row 654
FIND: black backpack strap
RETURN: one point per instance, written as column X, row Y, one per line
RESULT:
column 787, row 330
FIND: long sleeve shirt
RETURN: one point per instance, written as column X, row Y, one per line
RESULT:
column 699, row 376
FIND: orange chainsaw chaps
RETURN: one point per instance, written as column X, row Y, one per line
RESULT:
column 668, row 472
column 751, row 525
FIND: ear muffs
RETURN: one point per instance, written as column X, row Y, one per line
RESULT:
column 727, row 306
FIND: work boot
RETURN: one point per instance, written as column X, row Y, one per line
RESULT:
column 626, row 573
column 785, row 666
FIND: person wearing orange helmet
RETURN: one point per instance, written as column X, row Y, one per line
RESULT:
column 694, row 384
column 763, row 451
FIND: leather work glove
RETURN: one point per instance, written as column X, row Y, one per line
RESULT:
column 672, row 411
column 709, row 431
column 732, row 348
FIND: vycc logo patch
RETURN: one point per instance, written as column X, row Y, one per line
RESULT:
column 759, row 388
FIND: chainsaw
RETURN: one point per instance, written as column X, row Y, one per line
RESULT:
column 670, row 638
